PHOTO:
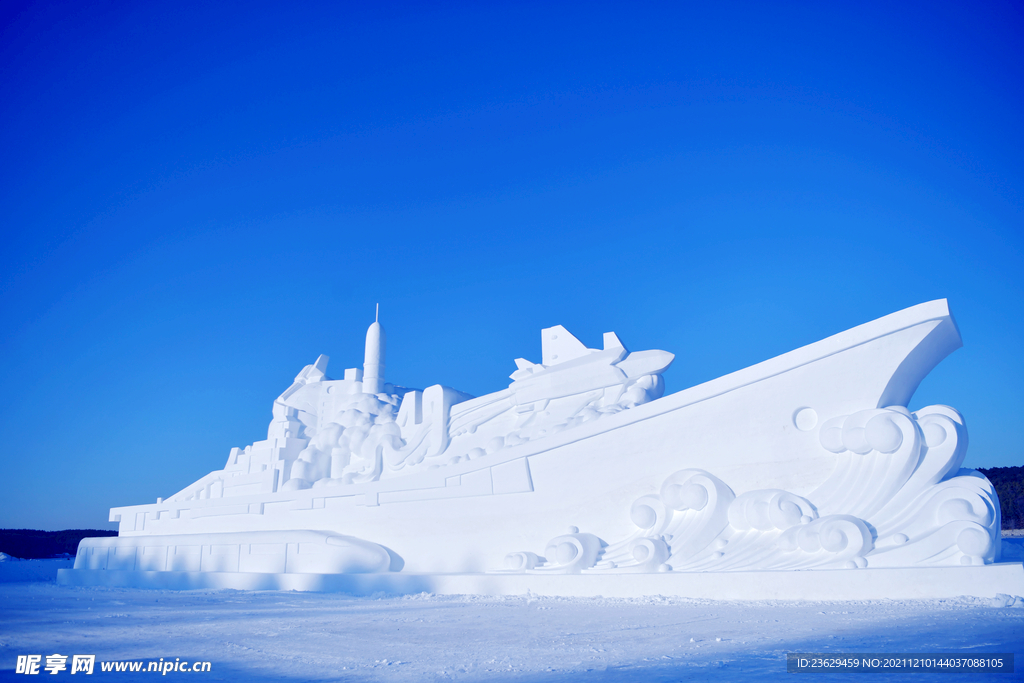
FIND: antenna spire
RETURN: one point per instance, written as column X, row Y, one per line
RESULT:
column 373, row 361
column 376, row 317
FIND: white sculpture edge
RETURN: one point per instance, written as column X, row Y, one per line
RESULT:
column 986, row 581
column 901, row 468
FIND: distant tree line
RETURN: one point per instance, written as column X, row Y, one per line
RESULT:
column 1009, row 485
column 29, row 544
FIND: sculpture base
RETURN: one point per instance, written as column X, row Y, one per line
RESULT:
column 842, row 584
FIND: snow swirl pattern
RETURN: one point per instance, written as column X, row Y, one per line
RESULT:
column 896, row 498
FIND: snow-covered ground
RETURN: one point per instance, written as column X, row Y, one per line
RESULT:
column 13, row 569
column 279, row 636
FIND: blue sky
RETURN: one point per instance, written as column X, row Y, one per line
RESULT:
column 199, row 198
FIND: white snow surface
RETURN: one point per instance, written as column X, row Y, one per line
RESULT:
column 13, row 569
column 289, row 636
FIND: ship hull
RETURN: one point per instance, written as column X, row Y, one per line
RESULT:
column 755, row 433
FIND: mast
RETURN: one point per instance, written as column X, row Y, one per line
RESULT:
column 373, row 360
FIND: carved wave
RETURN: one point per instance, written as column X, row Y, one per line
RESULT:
column 896, row 498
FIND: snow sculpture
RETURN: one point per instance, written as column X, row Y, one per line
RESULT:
column 810, row 460
column 891, row 501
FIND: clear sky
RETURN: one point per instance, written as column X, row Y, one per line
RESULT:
column 197, row 199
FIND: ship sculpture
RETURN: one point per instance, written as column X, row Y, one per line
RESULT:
column 582, row 466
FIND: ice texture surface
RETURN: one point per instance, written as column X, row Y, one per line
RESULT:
column 281, row 636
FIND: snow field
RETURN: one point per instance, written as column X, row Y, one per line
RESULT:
column 282, row 636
